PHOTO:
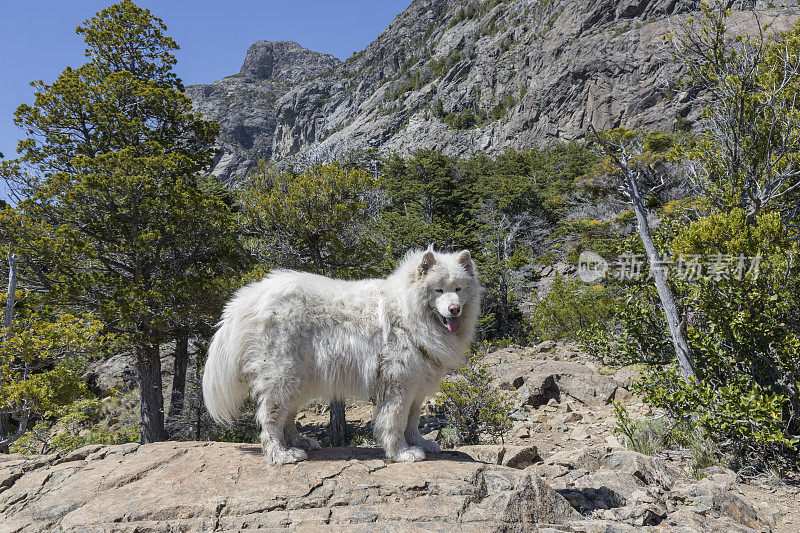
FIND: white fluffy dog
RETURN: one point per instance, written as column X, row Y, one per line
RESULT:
column 294, row 336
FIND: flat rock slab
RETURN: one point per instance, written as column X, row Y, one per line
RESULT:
column 180, row 486
column 215, row 486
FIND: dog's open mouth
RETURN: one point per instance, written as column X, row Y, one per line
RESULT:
column 452, row 323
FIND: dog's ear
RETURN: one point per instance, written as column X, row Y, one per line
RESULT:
column 465, row 260
column 428, row 260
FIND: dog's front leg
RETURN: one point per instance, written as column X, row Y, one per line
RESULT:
column 391, row 416
column 412, row 433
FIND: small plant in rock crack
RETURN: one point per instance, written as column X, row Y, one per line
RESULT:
column 643, row 436
column 472, row 406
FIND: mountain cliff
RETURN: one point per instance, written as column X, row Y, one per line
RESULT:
column 465, row 76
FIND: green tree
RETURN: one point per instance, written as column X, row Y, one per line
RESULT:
column 741, row 309
column 203, row 271
column 746, row 174
column 316, row 221
column 506, row 215
column 744, row 329
column 429, row 201
column 42, row 357
column 748, row 157
column 108, row 189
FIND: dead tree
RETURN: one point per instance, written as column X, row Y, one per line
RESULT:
column 5, row 439
column 626, row 154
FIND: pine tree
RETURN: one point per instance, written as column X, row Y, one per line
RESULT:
column 110, row 203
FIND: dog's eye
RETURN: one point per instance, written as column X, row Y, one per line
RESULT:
column 439, row 290
column 458, row 289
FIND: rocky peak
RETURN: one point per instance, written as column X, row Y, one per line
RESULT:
column 466, row 76
column 284, row 62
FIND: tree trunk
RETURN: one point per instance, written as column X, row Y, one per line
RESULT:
column 200, row 358
column 316, row 256
column 660, row 277
column 179, row 377
column 338, row 424
column 199, row 410
column 12, row 287
column 4, row 431
column 150, row 391
column 10, row 298
column 503, row 289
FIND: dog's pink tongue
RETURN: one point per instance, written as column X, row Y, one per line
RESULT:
column 453, row 324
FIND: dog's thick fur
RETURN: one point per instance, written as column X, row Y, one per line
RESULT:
column 294, row 336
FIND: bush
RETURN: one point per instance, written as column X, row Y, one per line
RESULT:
column 740, row 415
column 742, row 329
column 652, row 435
column 572, row 310
column 73, row 426
column 42, row 357
column 636, row 333
column 472, row 406
column 644, row 436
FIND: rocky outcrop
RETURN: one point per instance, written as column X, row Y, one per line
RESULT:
column 244, row 104
column 527, row 72
column 560, row 468
column 284, row 62
column 191, row 486
column 554, row 372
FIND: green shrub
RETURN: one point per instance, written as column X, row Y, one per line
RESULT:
column 572, row 310
column 636, row 333
column 650, row 436
column 704, row 453
column 501, row 108
column 472, row 406
column 740, row 415
column 742, row 329
column 644, row 436
column 73, row 426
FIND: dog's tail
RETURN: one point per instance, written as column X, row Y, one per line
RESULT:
column 224, row 388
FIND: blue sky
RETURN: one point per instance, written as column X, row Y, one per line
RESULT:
column 37, row 38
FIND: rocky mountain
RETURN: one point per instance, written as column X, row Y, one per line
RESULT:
column 245, row 104
column 463, row 76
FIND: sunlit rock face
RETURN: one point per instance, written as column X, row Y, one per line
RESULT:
column 514, row 73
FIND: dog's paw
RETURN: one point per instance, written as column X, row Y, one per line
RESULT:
column 282, row 456
column 429, row 446
column 409, row 455
column 308, row 443
column 415, row 439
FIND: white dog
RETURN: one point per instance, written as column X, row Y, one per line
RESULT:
column 294, row 336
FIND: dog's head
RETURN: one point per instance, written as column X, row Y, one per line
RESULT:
column 449, row 283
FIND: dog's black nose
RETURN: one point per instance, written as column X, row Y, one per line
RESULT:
column 454, row 309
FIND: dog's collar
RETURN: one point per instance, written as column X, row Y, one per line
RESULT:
column 422, row 349
column 428, row 356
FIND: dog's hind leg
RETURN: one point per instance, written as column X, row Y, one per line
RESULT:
column 391, row 417
column 293, row 438
column 412, row 434
column 273, row 419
